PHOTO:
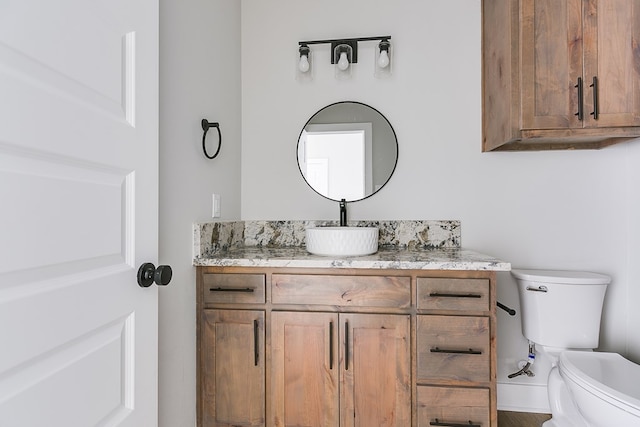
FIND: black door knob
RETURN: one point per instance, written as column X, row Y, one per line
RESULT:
column 148, row 273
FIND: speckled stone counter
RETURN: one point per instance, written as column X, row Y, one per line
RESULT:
column 385, row 258
column 418, row 245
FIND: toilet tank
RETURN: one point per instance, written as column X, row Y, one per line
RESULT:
column 561, row 308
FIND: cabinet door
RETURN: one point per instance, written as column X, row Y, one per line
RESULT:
column 375, row 386
column 551, row 63
column 612, row 54
column 304, row 369
column 233, row 368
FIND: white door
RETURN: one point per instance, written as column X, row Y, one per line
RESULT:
column 78, row 212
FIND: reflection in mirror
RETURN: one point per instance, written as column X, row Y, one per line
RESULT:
column 347, row 150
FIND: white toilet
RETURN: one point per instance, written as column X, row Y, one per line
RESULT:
column 561, row 313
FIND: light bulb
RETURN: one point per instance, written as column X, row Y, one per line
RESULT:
column 303, row 65
column 383, row 59
column 343, row 63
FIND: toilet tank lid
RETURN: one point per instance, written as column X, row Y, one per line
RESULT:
column 562, row 276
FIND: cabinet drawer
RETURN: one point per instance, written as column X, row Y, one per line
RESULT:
column 453, row 294
column 453, row 406
column 453, row 348
column 350, row 291
column 233, row 288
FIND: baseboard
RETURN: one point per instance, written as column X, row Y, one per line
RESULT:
column 523, row 398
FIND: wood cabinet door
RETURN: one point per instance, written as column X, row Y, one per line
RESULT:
column 233, row 368
column 612, row 55
column 375, row 383
column 551, row 63
column 304, row 369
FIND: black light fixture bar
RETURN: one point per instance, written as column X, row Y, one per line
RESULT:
column 356, row 39
column 353, row 42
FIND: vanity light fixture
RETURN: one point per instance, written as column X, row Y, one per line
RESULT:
column 383, row 59
column 304, row 71
column 344, row 53
column 343, row 58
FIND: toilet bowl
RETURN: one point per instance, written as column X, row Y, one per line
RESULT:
column 561, row 314
column 604, row 386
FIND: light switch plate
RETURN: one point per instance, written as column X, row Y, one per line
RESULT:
column 216, row 206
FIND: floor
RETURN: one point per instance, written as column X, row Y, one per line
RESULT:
column 521, row 419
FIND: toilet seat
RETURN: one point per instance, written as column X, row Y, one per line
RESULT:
column 609, row 376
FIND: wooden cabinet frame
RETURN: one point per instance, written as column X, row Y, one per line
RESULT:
column 365, row 311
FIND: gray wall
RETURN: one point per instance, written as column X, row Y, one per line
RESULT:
column 199, row 78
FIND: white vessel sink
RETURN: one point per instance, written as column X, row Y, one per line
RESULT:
column 342, row 241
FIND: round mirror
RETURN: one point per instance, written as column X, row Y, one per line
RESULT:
column 347, row 150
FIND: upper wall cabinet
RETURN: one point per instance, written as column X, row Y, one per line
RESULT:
column 560, row 74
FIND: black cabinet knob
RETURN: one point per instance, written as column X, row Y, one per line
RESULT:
column 148, row 273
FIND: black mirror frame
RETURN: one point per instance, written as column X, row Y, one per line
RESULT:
column 395, row 136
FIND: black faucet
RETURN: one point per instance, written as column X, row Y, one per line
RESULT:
column 343, row 213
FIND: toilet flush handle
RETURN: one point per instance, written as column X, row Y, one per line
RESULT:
column 538, row 289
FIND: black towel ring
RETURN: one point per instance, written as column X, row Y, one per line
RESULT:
column 205, row 127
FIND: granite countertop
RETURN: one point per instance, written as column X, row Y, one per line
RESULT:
column 385, row 258
column 408, row 245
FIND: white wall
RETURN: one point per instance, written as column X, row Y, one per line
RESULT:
column 199, row 78
column 633, row 252
column 564, row 210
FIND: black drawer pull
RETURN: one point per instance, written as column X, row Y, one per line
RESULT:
column 346, row 346
column 256, row 342
column 440, row 295
column 580, row 112
column 444, row 424
column 470, row 351
column 594, row 85
column 247, row 290
column 330, row 345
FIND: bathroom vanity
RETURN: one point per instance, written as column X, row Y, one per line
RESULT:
column 404, row 337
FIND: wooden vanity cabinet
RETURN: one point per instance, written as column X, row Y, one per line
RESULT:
column 560, row 75
column 346, row 348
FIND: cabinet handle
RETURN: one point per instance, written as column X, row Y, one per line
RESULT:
column 330, row 345
column 580, row 112
column 248, row 290
column 594, row 85
column 437, row 422
column 346, row 345
column 439, row 295
column 442, row 350
column 256, row 343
